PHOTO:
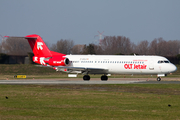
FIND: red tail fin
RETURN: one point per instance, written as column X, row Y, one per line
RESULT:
column 38, row 46
column 42, row 53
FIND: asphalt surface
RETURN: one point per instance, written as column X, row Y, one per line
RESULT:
column 93, row 81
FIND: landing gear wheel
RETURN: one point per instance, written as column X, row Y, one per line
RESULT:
column 86, row 77
column 104, row 78
column 158, row 79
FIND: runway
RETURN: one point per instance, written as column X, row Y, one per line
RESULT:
column 46, row 82
column 93, row 81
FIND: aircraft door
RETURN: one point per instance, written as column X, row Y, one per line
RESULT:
column 151, row 65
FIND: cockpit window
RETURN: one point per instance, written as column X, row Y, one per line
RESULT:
column 163, row 61
column 166, row 61
column 160, row 61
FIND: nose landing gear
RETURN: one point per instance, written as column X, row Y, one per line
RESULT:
column 158, row 78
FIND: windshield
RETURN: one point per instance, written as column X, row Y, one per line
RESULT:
column 163, row 61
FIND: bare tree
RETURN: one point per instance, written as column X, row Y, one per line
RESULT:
column 111, row 45
column 164, row 48
column 77, row 49
column 158, row 47
column 142, row 48
column 63, row 46
column 116, row 45
column 126, row 46
column 173, row 47
column 98, row 50
column 153, row 48
column 89, row 49
column 16, row 46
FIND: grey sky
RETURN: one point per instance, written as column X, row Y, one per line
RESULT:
column 79, row 20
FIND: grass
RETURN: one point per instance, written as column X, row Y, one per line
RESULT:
column 11, row 69
column 67, row 102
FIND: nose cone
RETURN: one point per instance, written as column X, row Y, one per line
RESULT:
column 173, row 68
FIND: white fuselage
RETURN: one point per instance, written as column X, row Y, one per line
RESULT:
column 123, row 64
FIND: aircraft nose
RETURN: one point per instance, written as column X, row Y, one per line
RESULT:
column 173, row 68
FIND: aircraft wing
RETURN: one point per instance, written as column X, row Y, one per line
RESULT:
column 85, row 70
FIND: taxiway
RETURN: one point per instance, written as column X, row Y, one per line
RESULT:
column 93, row 81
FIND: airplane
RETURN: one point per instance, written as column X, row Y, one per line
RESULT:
column 98, row 64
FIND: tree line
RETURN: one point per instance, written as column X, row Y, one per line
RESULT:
column 110, row 45
column 120, row 45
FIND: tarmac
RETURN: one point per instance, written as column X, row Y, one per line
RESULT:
column 92, row 81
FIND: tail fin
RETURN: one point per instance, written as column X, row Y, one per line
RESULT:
column 38, row 46
column 42, row 53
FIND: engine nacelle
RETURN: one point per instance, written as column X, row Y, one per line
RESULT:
column 58, row 61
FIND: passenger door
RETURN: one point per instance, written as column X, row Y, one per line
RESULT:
column 151, row 65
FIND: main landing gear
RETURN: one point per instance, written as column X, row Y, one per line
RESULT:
column 104, row 78
column 158, row 78
column 87, row 78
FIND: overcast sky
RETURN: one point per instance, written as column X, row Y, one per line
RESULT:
column 80, row 20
